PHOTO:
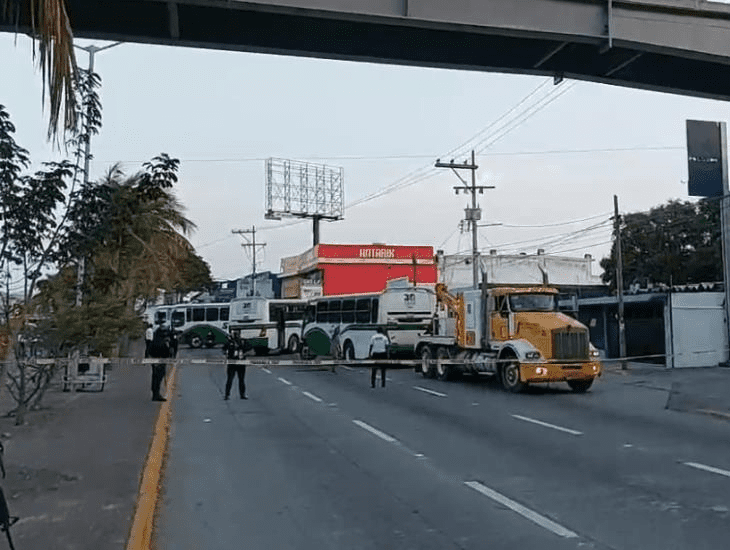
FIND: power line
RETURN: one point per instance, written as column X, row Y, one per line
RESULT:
column 528, row 114
column 240, row 160
column 558, row 223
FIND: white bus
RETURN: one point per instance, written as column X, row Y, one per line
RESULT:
column 403, row 310
column 196, row 324
column 268, row 324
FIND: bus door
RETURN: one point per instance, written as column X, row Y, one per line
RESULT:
column 276, row 314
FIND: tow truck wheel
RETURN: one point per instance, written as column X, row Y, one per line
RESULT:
column 427, row 362
column 443, row 372
column 511, row 375
column 580, row 386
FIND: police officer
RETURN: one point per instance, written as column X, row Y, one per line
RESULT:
column 159, row 348
column 233, row 348
column 378, row 350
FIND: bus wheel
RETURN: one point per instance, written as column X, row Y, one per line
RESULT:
column 349, row 351
column 304, row 353
column 580, row 386
column 426, row 362
column 293, row 345
column 511, row 375
column 443, row 372
column 196, row 341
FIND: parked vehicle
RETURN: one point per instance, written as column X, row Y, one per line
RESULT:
column 196, row 324
column 267, row 324
column 343, row 325
column 515, row 333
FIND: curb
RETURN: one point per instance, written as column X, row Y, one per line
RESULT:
column 140, row 537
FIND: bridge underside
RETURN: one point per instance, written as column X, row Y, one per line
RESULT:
column 264, row 27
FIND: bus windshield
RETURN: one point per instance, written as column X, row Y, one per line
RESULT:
column 532, row 302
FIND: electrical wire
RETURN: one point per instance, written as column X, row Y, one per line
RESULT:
column 603, row 215
column 366, row 158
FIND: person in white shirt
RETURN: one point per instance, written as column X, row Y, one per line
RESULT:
column 148, row 335
column 378, row 350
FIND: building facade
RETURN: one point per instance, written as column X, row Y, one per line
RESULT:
column 333, row 269
column 574, row 275
column 679, row 327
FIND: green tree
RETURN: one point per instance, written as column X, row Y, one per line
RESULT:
column 675, row 243
column 132, row 232
column 28, row 205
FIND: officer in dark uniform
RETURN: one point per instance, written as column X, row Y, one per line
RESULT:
column 159, row 348
column 234, row 348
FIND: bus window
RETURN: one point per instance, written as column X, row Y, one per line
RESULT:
column 348, row 311
column 224, row 313
column 211, row 314
column 178, row 318
column 335, row 315
column 322, row 311
column 309, row 314
column 295, row 312
column 362, row 314
column 198, row 314
column 374, row 311
column 188, row 315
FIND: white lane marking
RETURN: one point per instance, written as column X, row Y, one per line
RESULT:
column 546, row 425
column 312, row 396
column 285, row 381
column 198, row 361
column 347, row 368
column 707, row 468
column 267, row 371
column 426, row 390
column 375, row 431
column 541, row 520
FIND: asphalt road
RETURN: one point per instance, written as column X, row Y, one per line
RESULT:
column 319, row 460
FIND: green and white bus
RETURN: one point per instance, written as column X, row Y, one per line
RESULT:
column 268, row 324
column 403, row 310
column 196, row 324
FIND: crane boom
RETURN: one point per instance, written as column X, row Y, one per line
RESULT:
column 454, row 304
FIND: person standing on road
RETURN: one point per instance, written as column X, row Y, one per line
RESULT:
column 378, row 350
column 173, row 343
column 148, row 336
column 159, row 348
column 233, row 348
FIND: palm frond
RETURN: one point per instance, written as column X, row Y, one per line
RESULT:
column 52, row 35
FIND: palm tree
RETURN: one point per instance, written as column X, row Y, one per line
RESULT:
column 50, row 27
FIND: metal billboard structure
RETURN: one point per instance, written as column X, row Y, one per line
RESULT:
column 304, row 190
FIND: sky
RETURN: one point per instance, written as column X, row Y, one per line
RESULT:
column 556, row 154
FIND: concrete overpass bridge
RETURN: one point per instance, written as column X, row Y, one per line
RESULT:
column 679, row 46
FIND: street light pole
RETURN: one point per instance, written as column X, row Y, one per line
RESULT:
column 91, row 50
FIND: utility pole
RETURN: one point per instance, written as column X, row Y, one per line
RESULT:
column 91, row 50
column 473, row 214
column 620, row 285
column 253, row 244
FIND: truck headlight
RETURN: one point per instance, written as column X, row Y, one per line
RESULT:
column 532, row 355
column 541, row 371
column 595, row 353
